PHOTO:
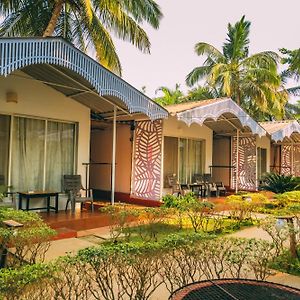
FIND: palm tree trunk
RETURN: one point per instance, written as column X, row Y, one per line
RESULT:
column 53, row 21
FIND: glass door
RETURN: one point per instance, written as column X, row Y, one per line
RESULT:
column 4, row 148
column 261, row 162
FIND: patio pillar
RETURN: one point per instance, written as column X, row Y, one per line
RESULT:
column 113, row 161
column 237, row 161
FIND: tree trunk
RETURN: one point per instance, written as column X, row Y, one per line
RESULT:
column 53, row 21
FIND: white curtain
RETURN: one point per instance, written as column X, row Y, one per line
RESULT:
column 60, row 153
column 195, row 158
column 183, row 161
column 28, row 154
column 170, row 158
column 4, row 147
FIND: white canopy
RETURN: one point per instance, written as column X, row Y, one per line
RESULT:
column 287, row 130
column 222, row 115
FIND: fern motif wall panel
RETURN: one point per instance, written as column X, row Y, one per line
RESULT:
column 246, row 163
column 146, row 181
column 290, row 155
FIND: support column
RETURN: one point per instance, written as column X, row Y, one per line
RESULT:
column 113, row 161
column 237, row 161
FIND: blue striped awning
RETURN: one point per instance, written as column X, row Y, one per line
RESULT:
column 18, row 53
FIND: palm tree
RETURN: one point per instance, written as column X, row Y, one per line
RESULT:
column 203, row 93
column 86, row 23
column 170, row 96
column 251, row 81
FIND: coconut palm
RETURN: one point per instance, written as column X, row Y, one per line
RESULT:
column 170, row 96
column 86, row 23
column 250, row 80
column 203, row 93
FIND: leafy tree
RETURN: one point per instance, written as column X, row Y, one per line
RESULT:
column 170, row 96
column 250, row 80
column 86, row 23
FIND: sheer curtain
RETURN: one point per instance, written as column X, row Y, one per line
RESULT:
column 60, row 153
column 4, row 146
column 195, row 158
column 183, row 160
column 28, row 154
column 170, row 157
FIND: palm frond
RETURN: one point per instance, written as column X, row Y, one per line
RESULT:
column 237, row 42
column 197, row 74
column 208, row 50
column 144, row 11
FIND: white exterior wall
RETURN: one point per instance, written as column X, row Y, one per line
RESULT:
column 38, row 100
column 265, row 142
column 173, row 127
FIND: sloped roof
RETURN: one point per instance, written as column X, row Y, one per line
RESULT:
column 222, row 115
column 283, row 130
column 57, row 63
column 176, row 108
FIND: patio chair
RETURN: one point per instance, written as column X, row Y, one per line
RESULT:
column 185, row 189
column 174, row 184
column 73, row 187
column 207, row 177
column 177, row 188
column 212, row 190
column 197, row 178
column 221, row 188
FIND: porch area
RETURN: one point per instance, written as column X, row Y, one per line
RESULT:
column 213, row 143
column 85, row 222
column 285, row 146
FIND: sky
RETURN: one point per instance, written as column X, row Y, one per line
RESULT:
column 275, row 24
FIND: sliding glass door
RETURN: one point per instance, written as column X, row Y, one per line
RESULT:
column 28, row 154
column 4, row 148
column 183, row 157
column 41, row 152
column 59, row 153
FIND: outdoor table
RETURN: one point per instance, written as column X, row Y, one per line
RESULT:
column 235, row 289
column 198, row 187
column 39, row 194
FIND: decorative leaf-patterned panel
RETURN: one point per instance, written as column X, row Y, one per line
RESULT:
column 246, row 163
column 289, row 154
column 146, row 181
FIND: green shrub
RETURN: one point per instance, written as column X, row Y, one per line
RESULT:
column 293, row 196
column 31, row 241
column 242, row 206
column 17, row 282
column 279, row 183
column 286, row 263
column 255, row 197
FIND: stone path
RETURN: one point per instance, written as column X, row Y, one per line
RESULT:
column 62, row 247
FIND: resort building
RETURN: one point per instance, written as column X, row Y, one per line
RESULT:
column 62, row 113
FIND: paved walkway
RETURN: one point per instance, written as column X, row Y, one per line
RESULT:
column 66, row 246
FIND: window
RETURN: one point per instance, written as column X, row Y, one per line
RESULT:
column 41, row 152
column 183, row 157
